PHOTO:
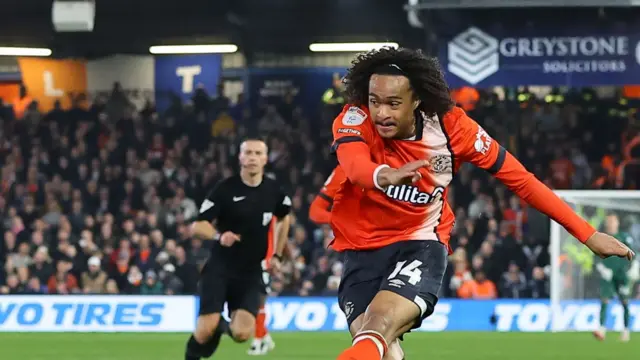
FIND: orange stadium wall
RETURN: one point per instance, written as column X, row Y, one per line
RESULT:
column 9, row 92
column 49, row 80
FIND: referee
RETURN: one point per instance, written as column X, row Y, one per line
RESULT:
column 246, row 208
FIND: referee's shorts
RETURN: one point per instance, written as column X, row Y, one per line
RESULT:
column 241, row 291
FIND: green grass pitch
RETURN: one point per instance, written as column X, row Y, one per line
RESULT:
column 326, row 346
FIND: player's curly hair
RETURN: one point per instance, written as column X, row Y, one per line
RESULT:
column 424, row 73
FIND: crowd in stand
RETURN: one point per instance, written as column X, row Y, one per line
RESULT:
column 98, row 200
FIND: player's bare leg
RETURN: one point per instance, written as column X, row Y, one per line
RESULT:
column 242, row 325
column 262, row 341
column 206, row 338
column 395, row 351
column 388, row 316
column 601, row 333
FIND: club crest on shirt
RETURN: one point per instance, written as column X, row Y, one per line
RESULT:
column 354, row 116
column 441, row 164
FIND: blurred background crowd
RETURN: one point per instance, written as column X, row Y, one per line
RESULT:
column 97, row 200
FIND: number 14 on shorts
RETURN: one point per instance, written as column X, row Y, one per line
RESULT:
column 411, row 271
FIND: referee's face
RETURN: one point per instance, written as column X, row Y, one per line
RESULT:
column 253, row 155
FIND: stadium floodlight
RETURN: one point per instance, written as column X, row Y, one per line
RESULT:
column 572, row 279
column 350, row 47
column 24, row 51
column 193, row 49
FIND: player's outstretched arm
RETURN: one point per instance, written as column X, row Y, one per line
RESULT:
column 470, row 142
column 514, row 175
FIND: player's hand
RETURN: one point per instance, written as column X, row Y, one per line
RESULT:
column 228, row 238
column 605, row 246
column 407, row 174
column 275, row 265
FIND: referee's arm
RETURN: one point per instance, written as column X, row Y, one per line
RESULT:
column 202, row 227
column 283, row 224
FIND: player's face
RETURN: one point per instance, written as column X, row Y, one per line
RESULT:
column 612, row 224
column 253, row 156
column 391, row 105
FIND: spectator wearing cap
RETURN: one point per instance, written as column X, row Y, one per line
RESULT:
column 94, row 279
column 170, row 280
column 151, row 284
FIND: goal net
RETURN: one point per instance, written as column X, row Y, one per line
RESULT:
column 575, row 282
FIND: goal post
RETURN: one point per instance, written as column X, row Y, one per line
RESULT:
column 572, row 275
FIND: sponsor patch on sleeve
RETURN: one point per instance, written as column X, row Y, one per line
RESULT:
column 349, row 131
column 483, row 141
column 354, row 116
column 206, row 205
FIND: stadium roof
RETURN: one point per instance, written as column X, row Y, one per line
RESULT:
column 131, row 26
column 261, row 26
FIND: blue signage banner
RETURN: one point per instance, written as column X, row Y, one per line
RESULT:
column 324, row 314
column 182, row 74
column 306, row 85
column 88, row 313
column 567, row 57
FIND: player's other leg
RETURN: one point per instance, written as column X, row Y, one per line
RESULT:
column 407, row 296
column 262, row 342
column 607, row 291
column 395, row 351
column 624, row 291
column 601, row 332
column 210, row 325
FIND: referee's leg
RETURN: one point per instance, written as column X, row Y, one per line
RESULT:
column 210, row 325
column 244, row 299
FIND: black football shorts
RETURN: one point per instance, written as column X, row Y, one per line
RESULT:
column 240, row 290
column 412, row 269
